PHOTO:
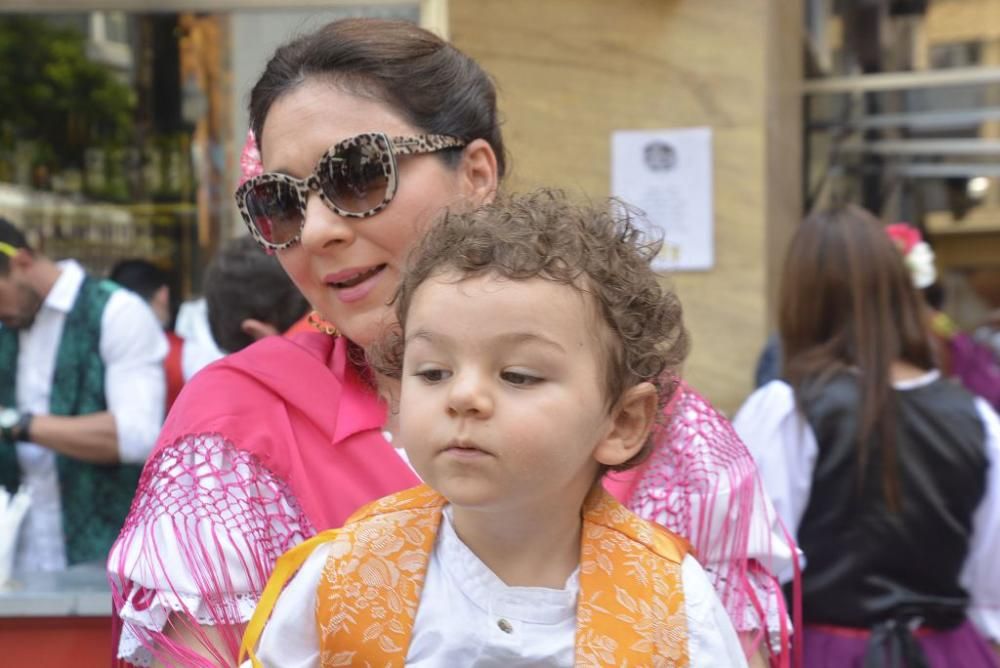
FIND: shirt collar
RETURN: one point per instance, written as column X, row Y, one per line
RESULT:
column 64, row 291
column 481, row 586
column 919, row 381
column 359, row 408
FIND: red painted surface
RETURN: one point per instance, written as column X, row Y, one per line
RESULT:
column 48, row 642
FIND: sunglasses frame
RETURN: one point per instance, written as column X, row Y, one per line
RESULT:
column 390, row 147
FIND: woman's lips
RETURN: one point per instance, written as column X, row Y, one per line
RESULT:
column 354, row 285
column 351, row 277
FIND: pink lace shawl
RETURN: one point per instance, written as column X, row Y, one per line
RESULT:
column 295, row 420
column 701, row 482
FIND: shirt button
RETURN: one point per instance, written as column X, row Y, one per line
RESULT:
column 505, row 626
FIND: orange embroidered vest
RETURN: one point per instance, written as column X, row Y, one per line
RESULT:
column 630, row 610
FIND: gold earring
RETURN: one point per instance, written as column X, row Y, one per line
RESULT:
column 321, row 325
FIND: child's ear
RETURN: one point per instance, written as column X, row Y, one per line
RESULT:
column 631, row 421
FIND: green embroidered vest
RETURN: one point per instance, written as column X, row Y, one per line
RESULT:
column 95, row 497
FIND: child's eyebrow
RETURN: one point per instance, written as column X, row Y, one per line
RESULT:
column 423, row 335
column 507, row 338
column 514, row 338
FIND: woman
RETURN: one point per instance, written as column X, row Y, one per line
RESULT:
column 286, row 437
column 888, row 474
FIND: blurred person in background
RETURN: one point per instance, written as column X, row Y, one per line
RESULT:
column 985, row 283
column 81, row 401
column 974, row 355
column 887, row 474
column 200, row 349
column 964, row 356
column 958, row 354
column 249, row 296
column 151, row 283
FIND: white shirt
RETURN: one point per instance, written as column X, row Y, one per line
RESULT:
column 132, row 347
column 461, row 605
column 200, row 348
column 785, row 448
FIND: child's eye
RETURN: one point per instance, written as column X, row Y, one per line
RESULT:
column 519, row 378
column 432, row 375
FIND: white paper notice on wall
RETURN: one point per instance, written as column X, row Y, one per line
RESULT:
column 668, row 175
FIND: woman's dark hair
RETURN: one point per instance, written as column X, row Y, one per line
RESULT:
column 434, row 86
column 847, row 303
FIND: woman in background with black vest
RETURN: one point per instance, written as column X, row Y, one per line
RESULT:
column 887, row 474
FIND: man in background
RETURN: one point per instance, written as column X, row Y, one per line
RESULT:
column 81, row 401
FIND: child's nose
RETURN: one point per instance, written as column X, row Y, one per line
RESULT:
column 470, row 396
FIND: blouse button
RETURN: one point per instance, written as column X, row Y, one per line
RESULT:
column 505, row 626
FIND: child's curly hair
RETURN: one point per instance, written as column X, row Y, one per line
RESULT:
column 596, row 249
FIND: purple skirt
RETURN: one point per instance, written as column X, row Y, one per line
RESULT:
column 961, row 647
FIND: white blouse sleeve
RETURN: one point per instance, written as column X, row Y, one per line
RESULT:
column 290, row 639
column 785, row 449
column 712, row 640
column 205, row 528
column 981, row 574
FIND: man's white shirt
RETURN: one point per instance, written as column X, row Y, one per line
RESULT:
column 133, row 348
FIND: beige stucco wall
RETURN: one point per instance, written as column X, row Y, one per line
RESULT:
column 573, row 71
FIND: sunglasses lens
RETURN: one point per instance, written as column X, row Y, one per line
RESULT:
column 275, row 211
column 355, row 177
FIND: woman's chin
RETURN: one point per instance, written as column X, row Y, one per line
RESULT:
column 365, row 329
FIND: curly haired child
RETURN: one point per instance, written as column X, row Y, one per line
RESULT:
column 536, row 349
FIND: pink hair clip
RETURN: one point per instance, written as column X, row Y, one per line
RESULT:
column 250, row 163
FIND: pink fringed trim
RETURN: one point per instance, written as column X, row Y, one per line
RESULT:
column 208, row 521
column 701, row 483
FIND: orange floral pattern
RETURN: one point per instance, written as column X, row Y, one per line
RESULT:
column 630, row 610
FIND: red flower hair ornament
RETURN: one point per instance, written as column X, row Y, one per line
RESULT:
column 917, row 254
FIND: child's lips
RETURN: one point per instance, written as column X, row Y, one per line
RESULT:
column 462, row 448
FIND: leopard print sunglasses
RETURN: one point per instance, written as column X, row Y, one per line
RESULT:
column 356, row 178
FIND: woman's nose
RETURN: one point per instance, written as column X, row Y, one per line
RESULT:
column 323, row 227
column 470, row 396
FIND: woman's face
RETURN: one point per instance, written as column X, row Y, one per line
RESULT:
column 349, row 268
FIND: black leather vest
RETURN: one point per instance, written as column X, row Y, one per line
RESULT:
column 866, row 564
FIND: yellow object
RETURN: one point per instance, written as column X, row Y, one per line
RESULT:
column 631, row 603
column 320, row 325
column 943, row 325
column 8, row 250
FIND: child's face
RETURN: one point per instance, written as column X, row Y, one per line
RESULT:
column 502, row 403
